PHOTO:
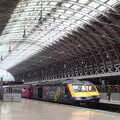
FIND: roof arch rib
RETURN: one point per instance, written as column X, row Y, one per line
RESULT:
column 40, row 32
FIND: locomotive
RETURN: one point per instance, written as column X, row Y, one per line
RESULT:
column 67, row 91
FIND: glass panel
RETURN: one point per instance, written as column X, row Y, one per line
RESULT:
column 83, row 88
column 63, row 17
column 103, row 0
column 112, row 2
column 90, row 88
column 67, row 4
column 69, row 12
column 86, row 10
column 78, row 15
column 102, row 8
column 93, row 13
column 76, row 7
column 86, row 18
column 53, row 3
column 75, row 0
column 79, row 22
column 83, row 1
column 93, row 4
column 6, row 76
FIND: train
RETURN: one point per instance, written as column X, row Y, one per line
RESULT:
column 65, row 91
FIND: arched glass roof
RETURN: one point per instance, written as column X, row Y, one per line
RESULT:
column 36, row 24
column 6, row 76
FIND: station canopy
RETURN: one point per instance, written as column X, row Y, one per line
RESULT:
column 36, row 25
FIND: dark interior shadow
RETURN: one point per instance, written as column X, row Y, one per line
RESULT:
column 6, row 9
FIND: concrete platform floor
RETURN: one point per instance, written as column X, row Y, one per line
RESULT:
column 110, row 102
column 37, row 110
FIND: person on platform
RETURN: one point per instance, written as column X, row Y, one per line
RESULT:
column 109, row 93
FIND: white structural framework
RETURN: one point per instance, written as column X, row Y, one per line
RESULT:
column 36, row 24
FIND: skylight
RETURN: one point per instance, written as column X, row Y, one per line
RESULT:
column 36, row 24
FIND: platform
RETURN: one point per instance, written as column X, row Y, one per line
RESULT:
column 37, row 110
column 116, row 102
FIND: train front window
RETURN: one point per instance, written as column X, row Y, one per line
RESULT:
column 90, row 88
column 84, row 88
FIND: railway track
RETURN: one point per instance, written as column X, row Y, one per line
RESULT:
column 100, row 106
column 106, row 107
column 90, row 105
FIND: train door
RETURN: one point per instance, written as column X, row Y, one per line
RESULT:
column 33, row 89
column 65, row 92
column 40, row 92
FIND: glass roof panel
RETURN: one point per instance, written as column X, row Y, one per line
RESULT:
column 94, row 4
column 6, row 76
column 66, row 4
column 85, row 10
column 75, row 0
column 83, row 1
column 93, row 13
column 76, row 7
column 103, row 0
column 112, row 2
column 102, row 8
column 63, row 17
column 53, row 3
column 86, row 18
column 78, row 15
column 79, row 22
column 33, row 27
column 69, row 12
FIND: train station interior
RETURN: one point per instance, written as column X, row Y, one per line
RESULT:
column 59, row 59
